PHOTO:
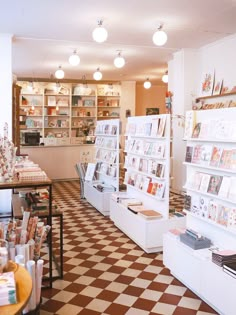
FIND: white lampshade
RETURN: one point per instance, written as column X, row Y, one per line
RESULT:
column 165, row 78
column 159, row 37
column 59, row 74
column 74, row 59
column 147, row 84
column 100, row 33
column 119, row 61
column 97, row 75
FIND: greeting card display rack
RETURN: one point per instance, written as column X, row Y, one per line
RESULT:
column 210, row 207
column 147, row 160
column 107, row 166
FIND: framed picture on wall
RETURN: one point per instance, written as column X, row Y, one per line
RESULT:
column 152, row 111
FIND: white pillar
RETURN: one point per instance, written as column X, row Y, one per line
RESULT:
column 6, row 82
column 183, row 73
column 5, row 104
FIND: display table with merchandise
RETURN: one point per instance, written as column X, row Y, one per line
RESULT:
column 24, row 288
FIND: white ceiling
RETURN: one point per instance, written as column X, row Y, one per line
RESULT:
column 47, row 31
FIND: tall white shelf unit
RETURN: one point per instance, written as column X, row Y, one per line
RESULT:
column 139, row 134
column 194, row 267
column 107, row 134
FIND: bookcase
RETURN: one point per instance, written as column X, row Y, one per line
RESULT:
column 107, row 134
column 147, row 160
column 210, row 206
column 83, row 113
column 67, row 113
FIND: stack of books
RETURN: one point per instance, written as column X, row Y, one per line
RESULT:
column 224, row 257
column 104, row 188
column 230, row 268
column 7, row 288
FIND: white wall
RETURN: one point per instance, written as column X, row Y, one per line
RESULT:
column 186, row 73
column 219, row 56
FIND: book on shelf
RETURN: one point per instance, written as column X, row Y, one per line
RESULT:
column 131, row 202
column 147, row 129
column 7, row 288
column 158, row 189
column 155, row 125
column 233, row 160
column 150, row 214
column 223, row 215
column 89, row 175
column 215, row 156
column 143, row 165
column 187, row 202
column 232, row 189
column 190, row 120
column 196, row 130
column 189, row 153
column 205, row 156
column 204, row 182
column 160, row 170
column 214, row 184
column 161, row 127
column 224, row 187
column 158, row 150
column 203, row 206
column 225, row 159
column 196, row 156
column 232, row 218
column 213, row 210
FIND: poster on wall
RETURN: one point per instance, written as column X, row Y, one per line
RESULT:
column 152, row 111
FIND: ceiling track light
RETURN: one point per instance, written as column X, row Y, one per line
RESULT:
column 159, row 37
column 165, row 77
column 147, row 84
column 119, row 61
column 74, row 59
column 100, row 33
column 59, row 74
column 97, row 75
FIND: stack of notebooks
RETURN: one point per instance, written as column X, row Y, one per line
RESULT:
column 230, row 268
column 7, row 288
column 143, row 211
column 104, row 188
column 224, row 257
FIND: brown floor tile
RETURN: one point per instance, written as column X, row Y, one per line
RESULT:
column 100, row 283
column 124, row 279
column 170, row 299
column 108, row 295
column 134, row 291
column 184, row 311
column 144, row 304
column 52, row 306
column 116, row 309
column 81, row 300
column 158, row 286
column 75, row 287
column 147, row 275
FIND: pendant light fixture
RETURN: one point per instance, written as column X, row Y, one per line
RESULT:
column 119, row 61
column 165, row 77
column 147, row 84
column 74, row 59
column 97, row 75
column 59, row 74
column 100, row 33
column 159, row 37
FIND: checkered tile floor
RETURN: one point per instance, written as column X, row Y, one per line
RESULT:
column 106, row 273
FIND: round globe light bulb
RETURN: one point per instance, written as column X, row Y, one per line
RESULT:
column 165, row 78
column 100, row 34
column 159, row 38
column 119, row 62
column 97, row 75
column 74, row 59
column 147, row 84
column 59, row 74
